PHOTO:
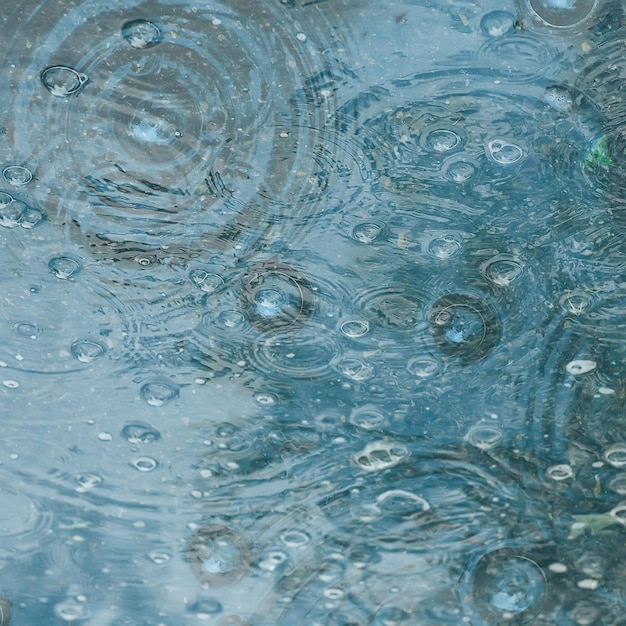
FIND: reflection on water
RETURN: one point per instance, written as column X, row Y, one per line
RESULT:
column 313, row 313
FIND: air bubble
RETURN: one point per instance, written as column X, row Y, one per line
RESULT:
column 444, row 247
column 380, row 455
column 295, row 538
column 502, row 270
column 17, row 175
column 443, row 140
column 71, row 611
column 140, row 432
column 88, row 481
column 205, row 608
column 367, row 232
column 497, row 23
column 355, row 328
column 145, row 463
column 64, row 267
column 159, row 393
column 560, row 472
column 615, row 455
column 484, row 436
column 423, row 366
column 355, row 369
column 10, row 211
column 206, row 281
column 459, row 171
column 580, row 366
column 367, row 417
column 62, row 81
column 504, row 152
column 30, row 218
column 86, row 350
column 141, row 34
column 563, row 13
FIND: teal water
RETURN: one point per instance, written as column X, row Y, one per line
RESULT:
column 313, row 312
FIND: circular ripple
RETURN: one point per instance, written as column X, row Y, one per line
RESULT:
column 158, row 120
column 559, row 13
column 464, row 327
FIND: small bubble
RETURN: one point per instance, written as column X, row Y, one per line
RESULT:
column 504, row 152
column 144, row 463
column 443, row 140
column 17, row 175
column 86, row 350
column 580, row 366
column 423, row 366
column 141, row 34
column 459, row 171
column 27, row 329
column 355, row 328
column 399, row 501
column 10, row 211
column 159, row 393
column 367, row 232
column 206, row 281
column 30, row 218
column 265, row 399
column 71, row 611
column 444, row 247
column 88, row 481
column 355, row 369
column 502, row 270
column 64, row 267
column 618, row 484
column 560, row 472
column 615, row 455
column 497, row 23
column 105, row 436
column 295, row 538
column 272, row 560
column 380, row 455
column 140, row 432
column 159, row 557
column 230, row 318
column 484, row 436
column 11, row 384
column 367, row 417
column 62, row 81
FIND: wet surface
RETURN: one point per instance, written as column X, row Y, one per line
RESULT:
column 313, row 313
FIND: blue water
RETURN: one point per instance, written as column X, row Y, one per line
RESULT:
column 313, row 312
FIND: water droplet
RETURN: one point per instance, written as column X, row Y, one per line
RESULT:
column 401, row 502
column 62, row 81
column 618, row 484
column 355, row 328
column 218, row 556
column 580, row 366
column 30, row 218
column 295, row 538
column 86, row 350
column 64, row 267
column 484, row 436
column 459, row 171
column 502, row 270
column 145, row 463
column 140, row 432
column 497, row 23
column 27, row 329
column 159, row 393
column 206, row 281
column 205, row 608
column 159, row 557
column 504, row 152
column 71, row 611
column 444, row 247
column 575, row 302
column 423, row 366
column 10, row 210
column 88, row 481
column 508, row 587
column 615, row 455
column 354, row 368
column 560, row 472
column 368, row 417
column 562, row 13
column 265, row 399
column 367, row 232
column 141, row 34
column 380, row 455
column 559, row 98
column 17, row 175
column 5, row 199
column 272, row 560
column 442, row 140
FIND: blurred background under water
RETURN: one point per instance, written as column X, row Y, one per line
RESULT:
column 313, row 312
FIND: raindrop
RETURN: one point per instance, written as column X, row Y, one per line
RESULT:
column 5, row 199
column 355, row 328
column 497, row 23
column 354, row 368
column 87, row 481
column 443, row 140
column 423, row 366
column 230, row 318
column 64, row 267
column 206, row 281
column 618, row 484
column 464, row 327
column 10, row 211
column 206, row 607
column 367, row 232
column 30, row 218
column 484, row 436
column 615, row 455
column 218, row 556
column 367, row 417
column 559, row 98
column 508, row 587
column 560, row 472
column 17, row 175
column 27, row 329
column 295, row 538
column 265, row 399
column 159, row 393
column 144, row 463
column 380, row 455
column 580, row 366
column 575, row 302
column 459, row 171
column 444, row 247
column 141, row 34
column 86, row 350
column 502, row 270
column 159, row 557
column 504, row 152
column 140, row 432
column 62, row 81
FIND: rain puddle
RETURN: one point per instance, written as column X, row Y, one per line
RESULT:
column 313, row 312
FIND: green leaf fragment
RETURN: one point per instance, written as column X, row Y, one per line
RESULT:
column 597, row 154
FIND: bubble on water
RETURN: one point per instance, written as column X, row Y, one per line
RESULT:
column 484, row 436
column 272, row 560
column 158, row 393
column 230, row 318
column 141, row 34
column 5, row 199
column 561, row 13
column 444, row 247
column 615, row 455
column 497, row 23
column 504, row 153
column 507, row 587
column 618, row 484
column 619, row 513
column 464, row 326
column 27, row 329
column 295, row 538
column 88, row 481
column 459, row 170
column 584, row 613
column 401, row 502
column 354, row 368
column 31, row 217
column 355, row 328
column 368, row 232
column 218, row 556
column 560, row 472
column 159, row 557
column 368, row 417
column 380, row 455
column 559, row 98
column 64, row 267
column 265, row 399
column 155, row 122
column 17, row 175
column 62, row 81
column 205, row 608
column 144, row 463
column 10, row 210
column 205, row 280
column 424, row 366
column 580, row 366
column 394, row 307
column 442, row 140
column 71, row 611
column 276, row 297
column 86, row 350
column 502, row 269
column 140, row 432
column 575, row 302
